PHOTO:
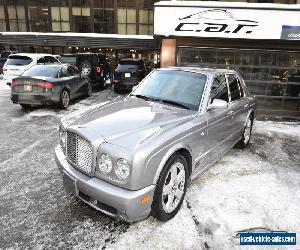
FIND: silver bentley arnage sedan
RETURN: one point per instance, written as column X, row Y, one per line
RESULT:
column 136, row 156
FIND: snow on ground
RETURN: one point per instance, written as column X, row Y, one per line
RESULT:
column 4, row 86
column 256, row 187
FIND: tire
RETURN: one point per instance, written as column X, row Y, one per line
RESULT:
column 25, row 106
column 89, row 89
column 86, row 68
column 64, row 99
column 247, row 131
column 116, row 90
column 166, row 203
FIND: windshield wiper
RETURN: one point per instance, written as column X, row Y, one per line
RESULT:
column 175, row 103
column 142, row 97
column 146, row 98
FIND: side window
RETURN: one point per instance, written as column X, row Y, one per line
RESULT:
column 41, row 60
column 240, row 86
column 219, row 88
column 234, row 87
column 52, row 59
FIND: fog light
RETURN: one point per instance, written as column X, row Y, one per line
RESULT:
column 123, row 215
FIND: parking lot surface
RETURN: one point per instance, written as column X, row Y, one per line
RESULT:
column 258, row 187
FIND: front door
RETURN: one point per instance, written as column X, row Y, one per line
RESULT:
column 218, row 123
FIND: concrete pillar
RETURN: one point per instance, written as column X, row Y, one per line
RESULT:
column 168, row 53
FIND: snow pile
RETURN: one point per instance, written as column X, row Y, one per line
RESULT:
column 245, row 189
column 4, row 86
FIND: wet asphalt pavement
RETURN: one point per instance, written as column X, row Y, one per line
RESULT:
column 35, row 211
column 256, row 187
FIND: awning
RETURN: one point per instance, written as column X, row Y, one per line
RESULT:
column 87, row 40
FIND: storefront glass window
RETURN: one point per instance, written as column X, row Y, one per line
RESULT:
column 126, row 21
column 273, row 76
column 38, row 18
column 104, row 21
column 60, row 19
column 146, row 22
column 16, row 17
column 2, row 18
column 81, row 19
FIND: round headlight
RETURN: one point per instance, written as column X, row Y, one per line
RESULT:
column 122, row 169
column 105, row 163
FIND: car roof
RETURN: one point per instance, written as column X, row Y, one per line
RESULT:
column 52, row 65
column 204, row 70
column 32, row 55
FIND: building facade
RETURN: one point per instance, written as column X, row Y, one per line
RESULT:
column 270, row 66
column 261, row 41
column 133, row 17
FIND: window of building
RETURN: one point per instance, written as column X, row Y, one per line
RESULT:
column 38, row 18
column 273, row 76
column 104, row 20
column 126, row 21
column 146, row 22
column 2, row 18
column 60, row 19
column 81, row 19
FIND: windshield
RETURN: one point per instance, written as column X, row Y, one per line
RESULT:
column 42, row 70
column 183, row 88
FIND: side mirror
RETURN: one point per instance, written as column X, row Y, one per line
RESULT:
column 218, row 104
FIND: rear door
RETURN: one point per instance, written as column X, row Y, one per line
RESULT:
column 237, row 105
column 80, row 81
column 70, row 80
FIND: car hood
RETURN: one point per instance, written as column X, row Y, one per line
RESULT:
column 128, row 121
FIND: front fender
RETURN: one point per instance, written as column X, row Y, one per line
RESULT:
column 160, row 158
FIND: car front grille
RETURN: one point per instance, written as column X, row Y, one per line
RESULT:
column 79, row 152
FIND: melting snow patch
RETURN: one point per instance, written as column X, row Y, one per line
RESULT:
column 242, row 190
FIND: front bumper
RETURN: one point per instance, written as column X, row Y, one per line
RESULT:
column 112, row 200
column 35, row 98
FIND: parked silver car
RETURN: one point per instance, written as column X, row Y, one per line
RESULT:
column 136, row 156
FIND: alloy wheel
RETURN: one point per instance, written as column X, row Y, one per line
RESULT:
column 85, row 69
column 173, row 188
column 65, row 98
column 247, row 131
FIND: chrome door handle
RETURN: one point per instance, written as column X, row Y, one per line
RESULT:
column 230, row 112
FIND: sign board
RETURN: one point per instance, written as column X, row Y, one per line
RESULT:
column 226, row 21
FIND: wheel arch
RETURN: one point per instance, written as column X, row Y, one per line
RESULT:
column 66, row 87
column 182, row 149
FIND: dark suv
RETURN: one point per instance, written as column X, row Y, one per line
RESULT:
column 93, row 65
column 128, row 74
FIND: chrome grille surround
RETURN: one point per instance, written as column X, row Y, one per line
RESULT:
column 79, row 152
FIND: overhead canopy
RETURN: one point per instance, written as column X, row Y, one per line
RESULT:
column 87, row 40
